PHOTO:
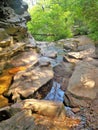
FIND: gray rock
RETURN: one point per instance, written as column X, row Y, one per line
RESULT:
column 83, row 82
column 90, row 52
column 3, row 34
column 50, row 54
column 44, row 61
column 13, row 30
column 20, row 121
column 83, row 85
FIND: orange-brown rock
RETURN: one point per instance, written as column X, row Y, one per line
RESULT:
column 3, row 101
column 52, row 124
column 15, row 70
column 5, row 82
column 6, row 77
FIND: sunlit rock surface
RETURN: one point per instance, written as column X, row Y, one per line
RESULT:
column 83, row 82
column 26, row 58
column 5, row 82
column 27, row 82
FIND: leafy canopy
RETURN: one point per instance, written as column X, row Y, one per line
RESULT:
column 56, row 19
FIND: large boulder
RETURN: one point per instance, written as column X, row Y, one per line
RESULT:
column 83, row 84
column 27, row 83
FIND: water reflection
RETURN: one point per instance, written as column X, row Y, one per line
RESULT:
column 56, row 94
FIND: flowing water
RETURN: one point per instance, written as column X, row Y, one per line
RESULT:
column 56, row 94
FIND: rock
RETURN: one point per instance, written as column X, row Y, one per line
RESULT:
column 1, row 49
column 45, row 49
column 84, row 78
column 83, row 84
column 55, row 109
column 5, row 42
column 62, row 74
column 27, row 83
column 78, row 43
column 3, row 34
column 20, row 121
column 92, row 61
column 44, row 61
column 85, row 48
column 2, row 65
column 32, row 114
column 5, row 82
column 4, row 114
column 13, row 30
column 31, row 41
column 18, row 6
column 70, row 46
column 75, row 110
column 50, row 54
column 83, row 40
column 10, row 51
column 91, row 114
column 3, row 101
column 70, row 59
column 83, row 54
column 72, row 101
column 24, row 58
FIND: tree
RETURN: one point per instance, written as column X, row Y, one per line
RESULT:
column 86, row 11
column 49, row 18
column 55, row 19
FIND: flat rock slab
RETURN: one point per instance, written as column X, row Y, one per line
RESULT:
column 84, row 81
column 27, row 82
column 24, row 58
column 83, row 54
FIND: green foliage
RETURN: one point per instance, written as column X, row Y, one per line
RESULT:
column 49, row 21
column 55, row 19
column 87, row 12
